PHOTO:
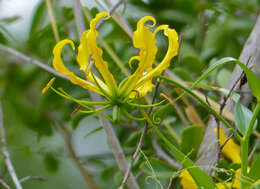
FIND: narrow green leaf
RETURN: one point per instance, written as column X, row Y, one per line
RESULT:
column 252, row 78
column 133, row 139
column 200, row 177
column 161, row 169
column 93, row 131
column 254, row 172
column 191, row 139
column 240, row 121
column 243, row 117
column 38, row 17
column 76, row 120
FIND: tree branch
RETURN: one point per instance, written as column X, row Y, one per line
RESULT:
column 28, row 59
column 162, row 155
column 38, row 178
column 5, row 153
column 3, row 183
column 251, row 49
column 85, row 173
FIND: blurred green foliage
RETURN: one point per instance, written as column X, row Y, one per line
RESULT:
column 208, row 30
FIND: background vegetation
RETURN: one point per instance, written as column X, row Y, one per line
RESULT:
column 40, row 129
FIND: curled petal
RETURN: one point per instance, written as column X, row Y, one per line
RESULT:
column 57, row 61
column 146, row 42
column 165, row 63
column 85, row 62
column 132, row 59
column 83, row 57
column 88, row 49
column 143, row 89
column 60, row 67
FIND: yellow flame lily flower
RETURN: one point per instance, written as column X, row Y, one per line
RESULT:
column 231, row 150
column 136, row 85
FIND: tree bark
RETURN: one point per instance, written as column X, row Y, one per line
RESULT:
column 250, row 54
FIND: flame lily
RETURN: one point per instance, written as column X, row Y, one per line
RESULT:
column 135, row 86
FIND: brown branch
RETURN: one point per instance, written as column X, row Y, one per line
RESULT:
column 5, row 153
column 162, row 155
column 84, row 171
column 38, row 178
column 4, row 184
column 25, row 58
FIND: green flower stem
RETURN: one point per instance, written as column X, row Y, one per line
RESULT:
column 146, row 105
column 236, row 134
column 244, row 147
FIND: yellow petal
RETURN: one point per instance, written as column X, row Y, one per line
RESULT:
column 142, row 90
column 187, row 181
column 60, row 67
column 88, row 49
column 231, row 150
column 145, row 40
column 48, row 85
column 83, row 57
column 165, row 63
column 57, row 61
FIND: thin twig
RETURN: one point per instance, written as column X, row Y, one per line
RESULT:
column 53, row 21
column 162, row 155
column 38, row 178
column 141, row 141
column 26, row 58
column 84, row 171
column 222, row 106
column 223, row 145
column 5, row 153
column 111, row 10
column 4, row 184
column 122, row 22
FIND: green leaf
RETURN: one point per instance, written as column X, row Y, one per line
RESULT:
column 243, row 117
column 191, row 139
column 3, row 39
column 76, row 120
column 183, row 73
column 160, row 168
column 93, row 131
column 193, row 63
column 223, row 78
column 175, row 15
column 200, row 177
column 51, row 163
column 9, row 20
column 254, row 172
column 38, row 18
column 107, row 173
column 252, row 78
column 133, row 139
